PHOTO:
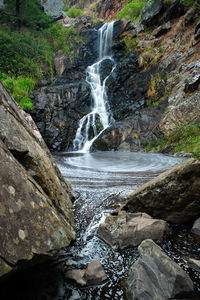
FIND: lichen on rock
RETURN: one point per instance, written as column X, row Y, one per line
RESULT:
column 35, row 206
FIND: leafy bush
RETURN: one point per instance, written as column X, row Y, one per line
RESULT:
column 61, row 38
column 187, row 2
column 23, row 56
column 20, row 88
column 130, row 43
column 132, row 10
column 74, row 12
column 20, row 54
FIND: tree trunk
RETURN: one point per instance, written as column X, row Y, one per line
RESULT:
column 17, row 5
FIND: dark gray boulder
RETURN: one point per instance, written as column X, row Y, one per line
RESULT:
column 129, row 230
column 94, row 274
column 154, row 276
column 155, row 12
column 151, row 12
column 172, row 196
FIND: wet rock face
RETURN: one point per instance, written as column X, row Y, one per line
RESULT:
column 57, row 110
column 105, row 68
column 59, row 106
column 172, row 196
column 129, row 230
column 135, row 132
column 155, row 276
column 35, row 200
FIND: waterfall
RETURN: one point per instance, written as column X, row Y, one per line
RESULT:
column 93, row 124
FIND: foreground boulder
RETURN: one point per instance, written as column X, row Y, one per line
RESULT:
column 154, row 276
column 172, row 196
column 35, row 200
column 129, row 230
column 94, row 274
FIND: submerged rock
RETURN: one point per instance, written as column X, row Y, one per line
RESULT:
column 129, row 230
column 172, row 196
column 35, row 200
column 154, row 276
column 94, row 274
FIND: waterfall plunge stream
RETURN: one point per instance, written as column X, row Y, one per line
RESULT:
column 88, row 130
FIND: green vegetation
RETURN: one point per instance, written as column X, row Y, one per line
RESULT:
column 155, row 91
column 27, row 50
column 132, row 10
column 73, row 12
column 188, row 2
column 25, row 13
column 130, row 43
column 20, row 88
column 185, row 138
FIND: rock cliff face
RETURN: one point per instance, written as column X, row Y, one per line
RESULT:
column 53, row 7
column 109, row 8
column 152, row 91
column 35, row 200
column 59, row 107
column 103, row 9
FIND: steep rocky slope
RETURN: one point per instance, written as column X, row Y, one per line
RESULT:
column 153, row 90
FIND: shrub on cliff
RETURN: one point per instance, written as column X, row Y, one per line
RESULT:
column 74, row 12
column 20, row 53
column 19, row 88
column 132, row 10
column 26, row 54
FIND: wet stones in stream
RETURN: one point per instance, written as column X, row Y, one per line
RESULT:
column 194, row 263
column 196, row 227
column 94, row 274
column 130, row 229
column 154, row 276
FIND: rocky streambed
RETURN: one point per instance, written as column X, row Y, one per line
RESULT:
column 100, row 182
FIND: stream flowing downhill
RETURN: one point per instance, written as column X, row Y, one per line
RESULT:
column 100, row 181
column 93, row 124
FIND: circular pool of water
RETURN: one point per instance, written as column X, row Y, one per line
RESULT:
column 109, row 161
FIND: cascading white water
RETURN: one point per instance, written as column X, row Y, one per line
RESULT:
column 88, row 130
